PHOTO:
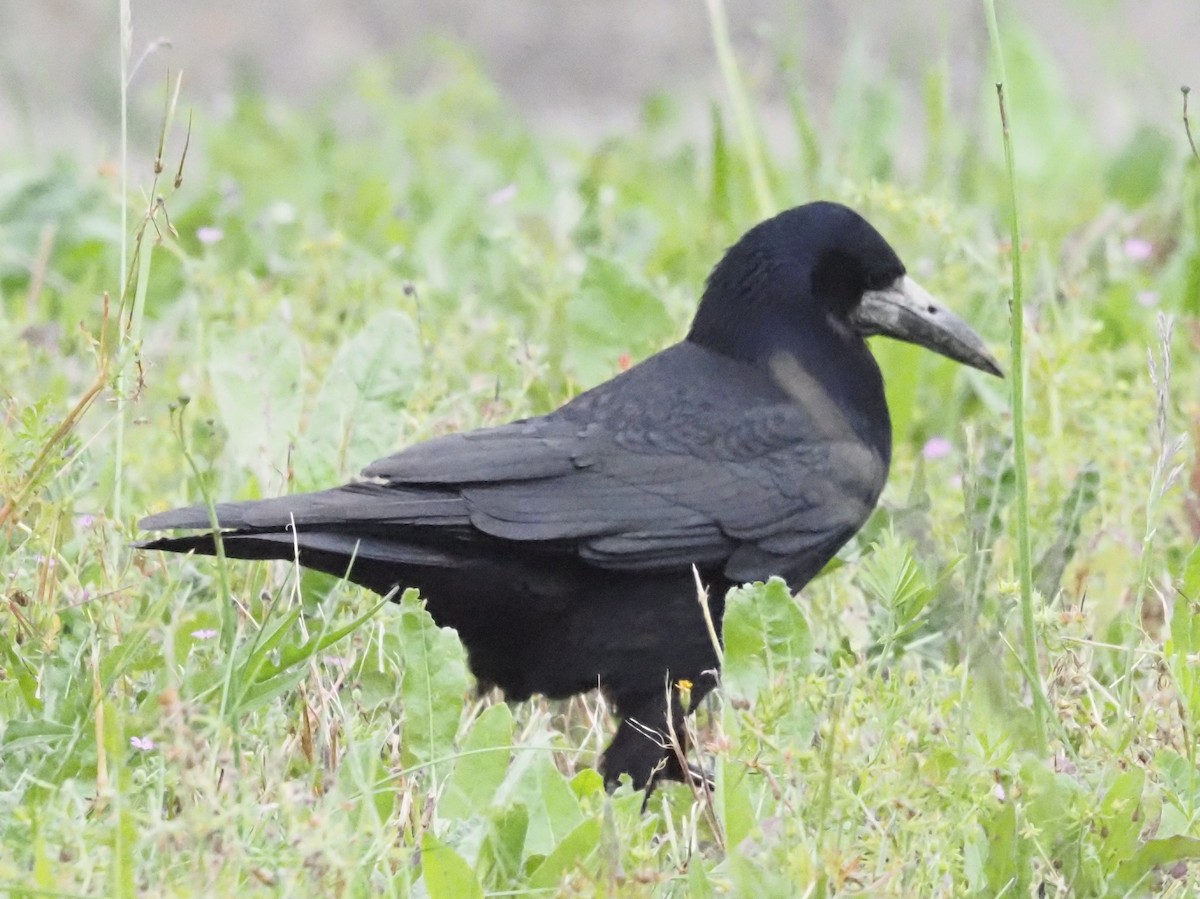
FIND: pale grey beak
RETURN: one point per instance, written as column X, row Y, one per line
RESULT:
column 907, row 311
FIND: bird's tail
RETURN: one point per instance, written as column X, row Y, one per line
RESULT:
column 369, row 533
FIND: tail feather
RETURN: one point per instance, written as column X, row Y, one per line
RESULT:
column 373, row 562
column 284, row 545
column 360, row 503
column 371, row 533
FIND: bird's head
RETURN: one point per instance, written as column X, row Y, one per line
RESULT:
column 816, row 268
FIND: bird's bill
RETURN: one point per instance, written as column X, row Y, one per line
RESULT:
column 907, row 311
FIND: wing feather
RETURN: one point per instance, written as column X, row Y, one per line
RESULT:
column 726, row 469
column 689, row 458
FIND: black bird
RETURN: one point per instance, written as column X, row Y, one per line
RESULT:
column 562, row 547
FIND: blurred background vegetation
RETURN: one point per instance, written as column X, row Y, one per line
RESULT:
column 380, row 235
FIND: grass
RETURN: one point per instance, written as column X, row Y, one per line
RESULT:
column 174, row 725
column 1017, row 378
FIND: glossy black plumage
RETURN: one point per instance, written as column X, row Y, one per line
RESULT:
column 562, row 547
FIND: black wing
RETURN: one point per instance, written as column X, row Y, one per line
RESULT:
column 689, row 458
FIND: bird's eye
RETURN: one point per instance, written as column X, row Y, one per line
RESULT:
column 880, row 282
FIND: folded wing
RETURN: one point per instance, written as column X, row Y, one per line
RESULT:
column 716, row 469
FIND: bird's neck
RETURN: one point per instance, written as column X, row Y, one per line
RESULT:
column 824, row 365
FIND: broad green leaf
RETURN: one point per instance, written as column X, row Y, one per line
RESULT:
column 766, row 635
column 374, row 793
column 481, row 765
column 612, row 314
column 974, row 854
column 757, row 877
column 1120, row 818
column 22, row 734
column 1182, row 646
column 1153, row 853
column 535, row 782
column 699, row 886
column 1007, row 864
column 1179, row 775
column 57, row 192
column 446, row 875
column 1190, row 586
column 574, row 851
column 435, row 679
column 501, row 856
column 256, row 376
column 352, row 420
column 1052, row 801
column 586, row 783
column 377, row 687
column 734, row 809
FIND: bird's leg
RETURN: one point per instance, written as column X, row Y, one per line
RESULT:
column 649, row 745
